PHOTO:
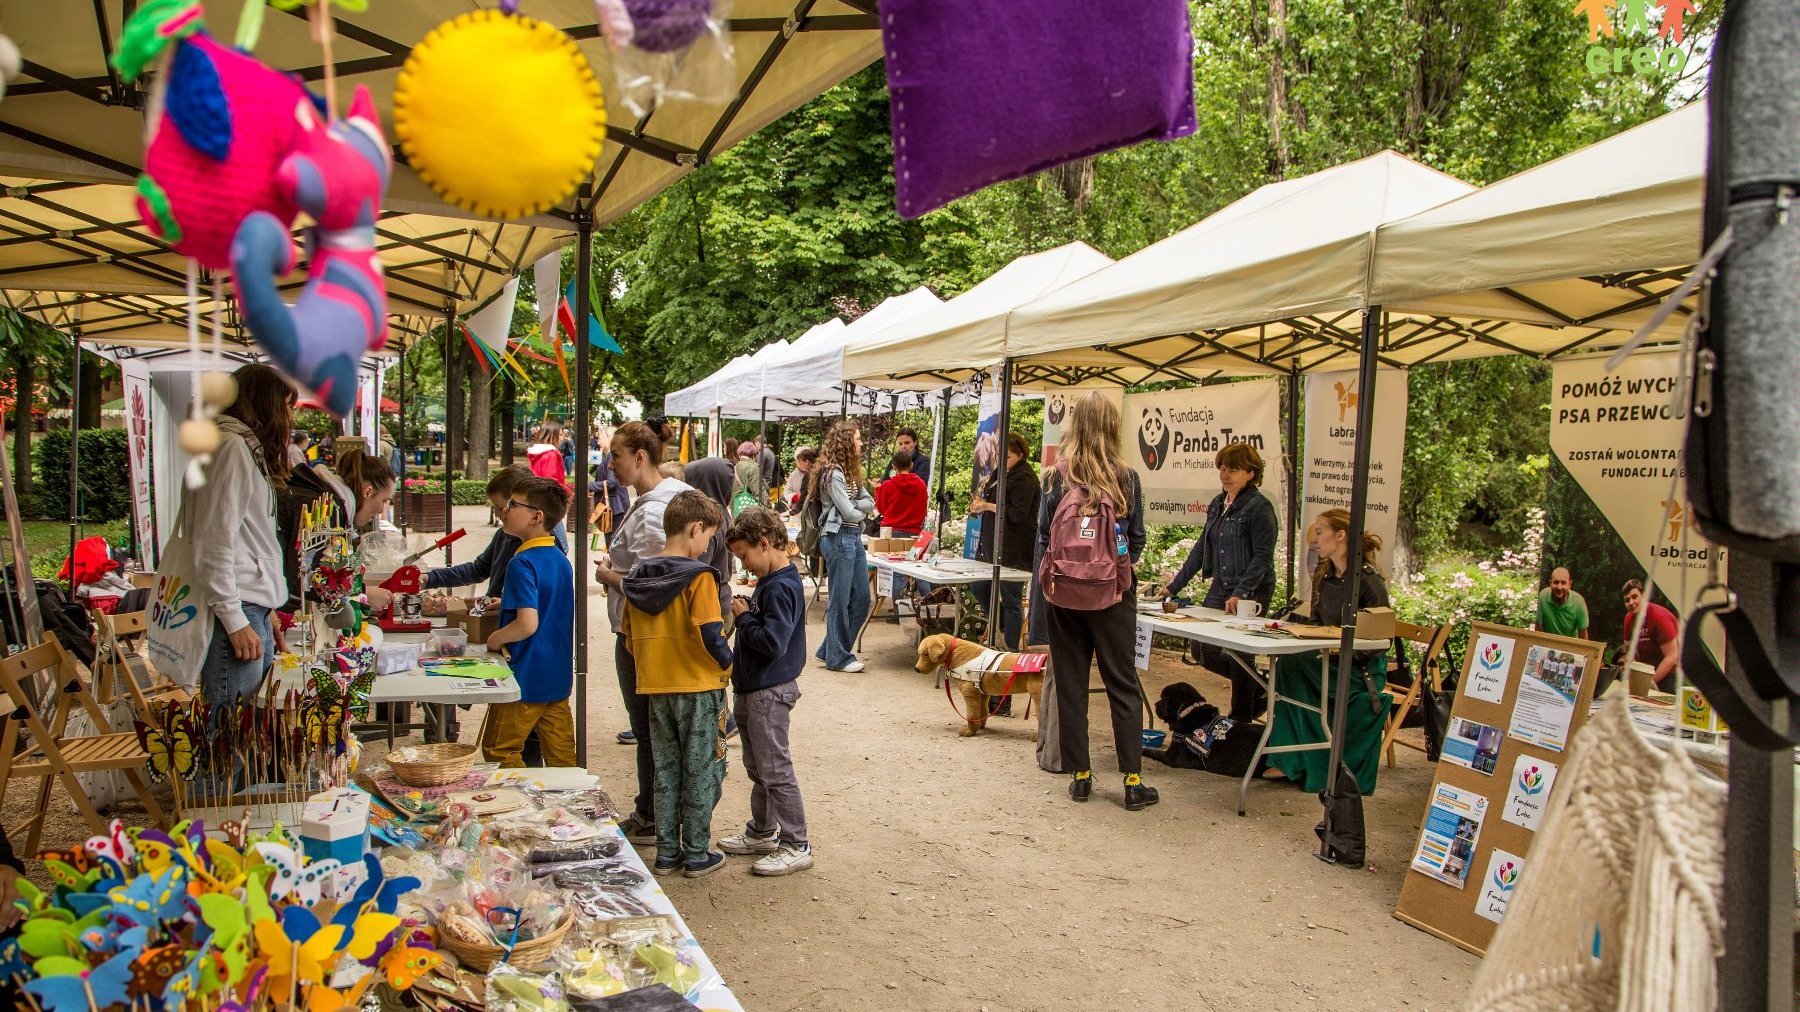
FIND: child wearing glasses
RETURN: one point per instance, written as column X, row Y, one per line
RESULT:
column 537, row 630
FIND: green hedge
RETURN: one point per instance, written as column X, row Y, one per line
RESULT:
column 105, row 474
column 463, row 491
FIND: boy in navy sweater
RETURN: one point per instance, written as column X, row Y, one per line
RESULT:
column 771, row 651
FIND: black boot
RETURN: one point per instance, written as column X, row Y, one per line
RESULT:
column 1139, row 797
column 1000, row 706
column 1081, row 788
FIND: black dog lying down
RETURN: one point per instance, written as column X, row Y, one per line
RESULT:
column 1200, row 739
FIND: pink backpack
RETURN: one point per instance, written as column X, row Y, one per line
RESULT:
column 1082, row 568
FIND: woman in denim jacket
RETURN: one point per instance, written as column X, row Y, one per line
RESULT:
column 1237, row 551
column 839, row 482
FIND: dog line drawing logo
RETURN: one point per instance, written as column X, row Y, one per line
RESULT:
column 1346, row 399
column 166, row 610
column 1153, row 439
column 1677, row 514
column 1506, row 876
column 1531, row 781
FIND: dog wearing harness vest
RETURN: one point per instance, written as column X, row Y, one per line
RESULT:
column 979, row 672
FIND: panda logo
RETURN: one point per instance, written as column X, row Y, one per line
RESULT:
column 1153, row 439
column 1053, row 412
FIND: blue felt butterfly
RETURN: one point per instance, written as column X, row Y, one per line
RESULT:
column 59, row 986
column 186, row 984
column 12, row 961
column 152, row 899
column 376, row 887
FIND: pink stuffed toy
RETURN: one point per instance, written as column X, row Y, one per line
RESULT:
column 337, row 175
column 219, row 125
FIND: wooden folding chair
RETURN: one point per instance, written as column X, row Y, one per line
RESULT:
column 1432, row 640
column 121, row 662
column 50, row 755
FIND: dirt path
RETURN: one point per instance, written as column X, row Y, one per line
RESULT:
column 954, row 874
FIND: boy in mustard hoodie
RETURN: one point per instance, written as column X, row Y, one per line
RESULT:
column 676, row 636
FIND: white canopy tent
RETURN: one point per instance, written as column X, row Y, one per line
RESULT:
column 949, row 343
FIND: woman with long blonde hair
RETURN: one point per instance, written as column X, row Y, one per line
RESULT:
column 845, row 501
column 1091, row 464
column 1297, row 677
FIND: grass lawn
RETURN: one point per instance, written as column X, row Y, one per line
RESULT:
column 47, row 542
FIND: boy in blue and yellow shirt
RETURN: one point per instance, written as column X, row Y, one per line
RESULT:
column 676, row 635
column 537, row 616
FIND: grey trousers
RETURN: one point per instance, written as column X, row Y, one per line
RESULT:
column 774, row 790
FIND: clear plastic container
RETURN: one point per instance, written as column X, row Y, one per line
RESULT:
column 447, row 642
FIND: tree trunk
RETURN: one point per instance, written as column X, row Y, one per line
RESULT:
column 481, row 420
column 454, row 415
column 90, row 392
column 24, row 387
column 1278, row 100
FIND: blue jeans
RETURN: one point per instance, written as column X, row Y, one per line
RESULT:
column 847, row 567
column 1012, row 608
column 223, row 678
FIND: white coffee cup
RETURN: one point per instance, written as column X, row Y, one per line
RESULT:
column 886, row 533
column 1248, row 609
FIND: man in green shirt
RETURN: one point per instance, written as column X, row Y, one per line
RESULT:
column 1560, row 610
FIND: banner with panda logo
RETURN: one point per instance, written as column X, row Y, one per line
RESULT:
column 1171, row 437
column 1331, row 401
column 1056, row 409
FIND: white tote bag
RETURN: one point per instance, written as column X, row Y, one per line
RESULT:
column 178, row 620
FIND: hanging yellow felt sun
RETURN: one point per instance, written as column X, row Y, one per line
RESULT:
column 499, row 113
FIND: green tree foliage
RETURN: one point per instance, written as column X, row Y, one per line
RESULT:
column 797, row 224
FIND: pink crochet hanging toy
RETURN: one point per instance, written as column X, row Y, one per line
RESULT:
column 234, row 150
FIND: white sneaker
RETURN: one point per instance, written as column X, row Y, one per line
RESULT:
column 744, row 844
column 853, row 667
column 786, row 860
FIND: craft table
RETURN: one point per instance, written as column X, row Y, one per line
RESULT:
column 714, row 996
column 938, row 571
column 416, row 686
column 1237, row 638
column 1657, row 719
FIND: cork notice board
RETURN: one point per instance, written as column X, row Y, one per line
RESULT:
column 1522, row 696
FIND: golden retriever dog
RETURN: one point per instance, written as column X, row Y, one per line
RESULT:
column 979, row 672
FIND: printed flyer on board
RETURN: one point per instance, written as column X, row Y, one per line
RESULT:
column 1447, row 844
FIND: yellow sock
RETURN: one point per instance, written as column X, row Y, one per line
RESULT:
column 1083, row 774
column 1134, row 780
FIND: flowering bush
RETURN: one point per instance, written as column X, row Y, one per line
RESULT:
column 425, row 486
column 1503, row 591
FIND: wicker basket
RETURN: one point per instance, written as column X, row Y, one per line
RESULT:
column 526, row 955
column 432, row 765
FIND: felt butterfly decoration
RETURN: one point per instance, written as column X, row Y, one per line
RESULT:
column 78, row 861
column 47, row 936
column 298, row 945
column 250, row 994
column 256, row 894
column 152, row 970
column 369, row 931
column 156, row 851
column 186, row 983
column 304, row 882
column 405, row 964
column 378, row 888
column 67, row 876
column 96, row 933
column 237, row 832
column 63, row 984
column 12, row 959
column 115, row 844
column 152, row 899
column 31, row 899
column 320, row 998
column 170, row 746
column 228, row 933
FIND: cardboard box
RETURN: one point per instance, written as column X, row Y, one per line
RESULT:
column 1375, row 624
column 479, row 627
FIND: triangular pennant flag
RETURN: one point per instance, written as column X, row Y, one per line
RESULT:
column 481, row 353
column 547, row 273
column 596, row 334
column 494, row 321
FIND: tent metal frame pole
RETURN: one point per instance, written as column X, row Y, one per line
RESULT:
column 1353, row 563
column 450, row 419
column 940, row 451
column 1001, row 430
column 75, row 448
column 1293, row 478
column 584, row 270
column 762, row 425
column 400, row 439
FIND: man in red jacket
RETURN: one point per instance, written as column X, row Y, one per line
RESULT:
column 901, row 499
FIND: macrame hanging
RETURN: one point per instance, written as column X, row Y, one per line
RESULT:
column 1620, row 907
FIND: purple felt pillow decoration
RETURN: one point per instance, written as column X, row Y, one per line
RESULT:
column 987, row 90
